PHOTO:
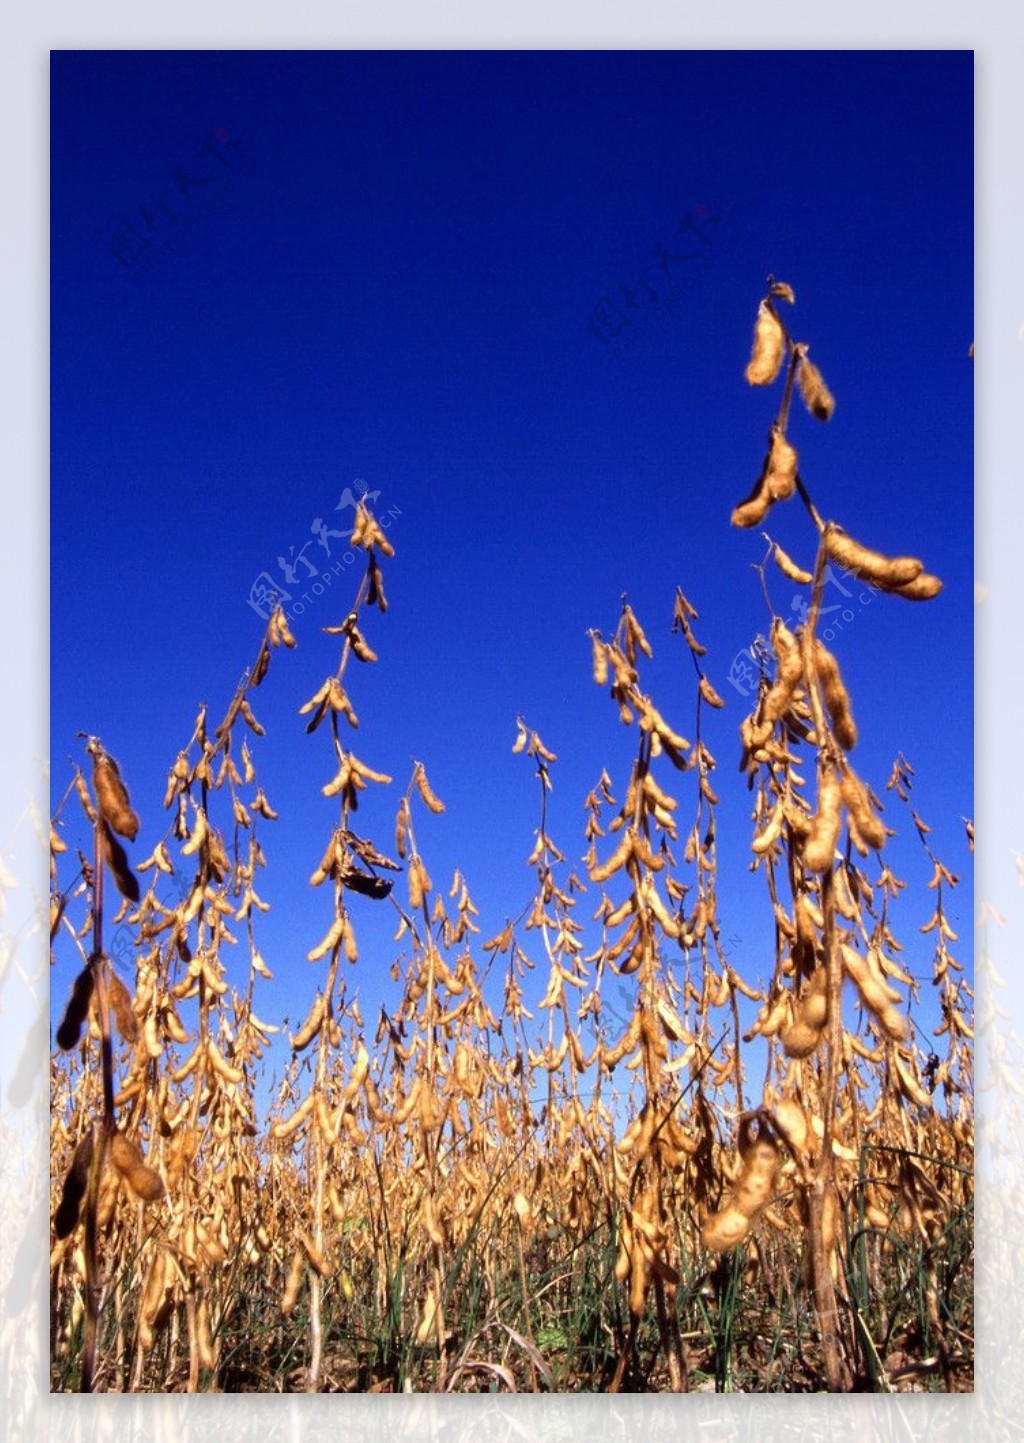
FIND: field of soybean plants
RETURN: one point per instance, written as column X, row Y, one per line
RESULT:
column 500, row 1181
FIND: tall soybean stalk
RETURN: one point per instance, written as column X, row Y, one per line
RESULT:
column 808, row 703
column 350, row 862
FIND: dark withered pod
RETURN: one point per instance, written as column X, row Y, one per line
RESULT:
column 76, row 1184
column 70, row 1030
column 117, row 861
column 365, row 883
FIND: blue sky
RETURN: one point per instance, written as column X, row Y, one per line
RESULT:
column 399, row 292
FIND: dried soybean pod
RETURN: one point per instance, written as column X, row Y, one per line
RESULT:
column 618, row 858
column 117, row 861
column 144, row 1181
column 75, row 1185
column 757, row 504
column 769, row 343
column 111, row 792
column 70, row 1029
column 791, row 1120
column 817, row 397
column 756, row 1182
column 800, row 1039
column 813, row 1008
column 121, row 1006
column 922, row 588
column 772, row 831
column 313, row 1254
column 788, row 675
column 311, row 1027
column 789, row 568
column 723, row 1230
column 820, row 847
column 711, row 696
column 84, row 797
column 419, row 883
column 293, row 1283
column 873, row 566
column 423, row 787
column 780, row 466
column 861, row 813
column 837, row 698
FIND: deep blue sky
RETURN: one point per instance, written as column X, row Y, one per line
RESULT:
column 399, row 290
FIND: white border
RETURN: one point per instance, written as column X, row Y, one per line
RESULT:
column 539, row 24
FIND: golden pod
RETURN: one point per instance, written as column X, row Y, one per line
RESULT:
column 817, row 397
column 766, row 839
column 312, row 1024
column 331, row 940
column 822, row 839
column 723, row 1230
column 780, row 467
column 121, row 1006
column 124, row 1154
column 292, row 1124
column 789, row 568
column 709, row 694
column 873, row 566
column 800, row 1040
column 922, row 588
column 112, row 794
column 862, row 814
column 837, row 698
column 423, row 787
column 290, row 1296
column 617, row 860
column 769, row 343
column 313, row 1254
column 752, row 511
column 146, row 1183
column 791, row 1120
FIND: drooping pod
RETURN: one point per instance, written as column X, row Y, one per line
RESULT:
column 820, row 846
column 780, row 467
column 70, row 1029
column 817, row 397
column 837, row 698
column 865, row 823
column 789, row 568
column 801, row 1038
column 111, row 792
column 433, row 802
column 876, row 993
column 883, row 571
column 117, row 861
column 752, row 1190
column 769, row 344
column 923, row 588
column 121, row 1006
column 75, row 1184
column 755, row 508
